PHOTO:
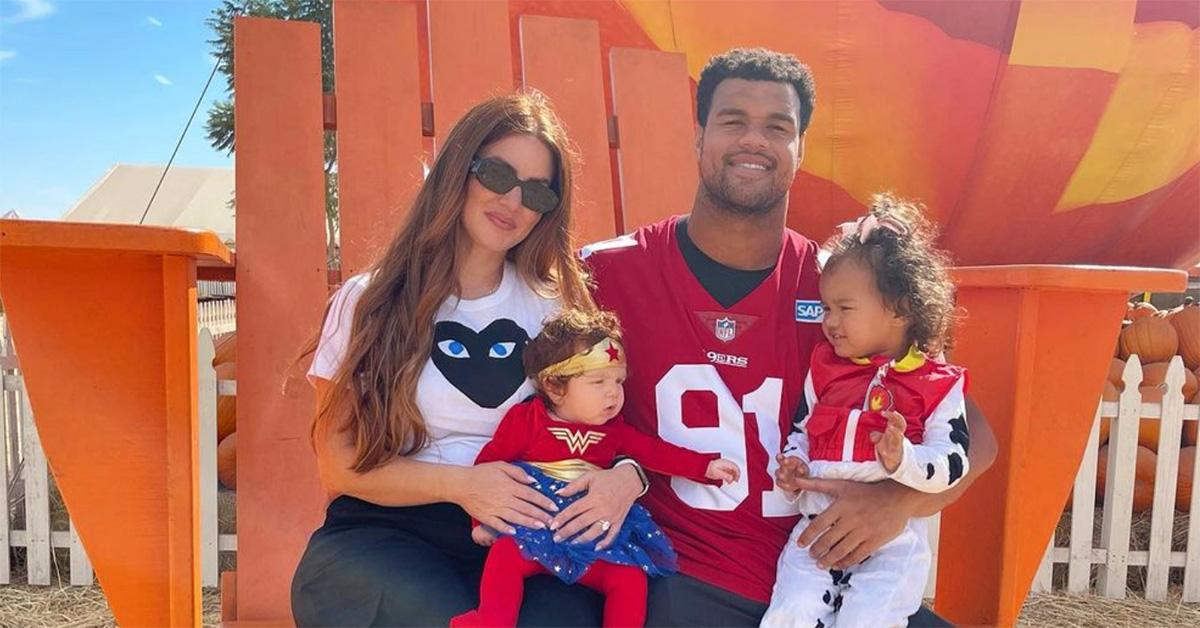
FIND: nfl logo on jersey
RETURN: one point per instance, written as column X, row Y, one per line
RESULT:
column 725, row 329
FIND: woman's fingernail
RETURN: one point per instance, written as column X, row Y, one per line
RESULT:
column 554, row 526
column 557, row 539
column 539, row 525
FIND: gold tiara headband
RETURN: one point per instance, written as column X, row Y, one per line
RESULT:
column 608, row 352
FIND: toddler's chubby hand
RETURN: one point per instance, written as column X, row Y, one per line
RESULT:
column 483, row 535
column 889, row 445
column 724, row 470
column 791, row 470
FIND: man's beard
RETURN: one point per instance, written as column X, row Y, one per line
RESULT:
column 720, row 191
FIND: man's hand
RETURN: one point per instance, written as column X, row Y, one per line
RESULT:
column 889, row 445
column 862, row 518
column 791, row 470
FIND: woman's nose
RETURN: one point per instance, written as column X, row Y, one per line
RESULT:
column 512, row 198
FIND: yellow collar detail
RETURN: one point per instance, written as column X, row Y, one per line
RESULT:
column 911, row 361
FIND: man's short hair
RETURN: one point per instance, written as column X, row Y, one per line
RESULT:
column 756, row 64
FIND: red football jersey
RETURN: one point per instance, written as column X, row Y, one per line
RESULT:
column 717, row 380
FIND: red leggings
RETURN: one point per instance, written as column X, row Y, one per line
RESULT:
column 503, row 587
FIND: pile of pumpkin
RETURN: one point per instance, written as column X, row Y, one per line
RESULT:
column 225, row 363
column 1155, row 336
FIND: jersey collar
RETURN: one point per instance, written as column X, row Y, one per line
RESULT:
column 911, row 361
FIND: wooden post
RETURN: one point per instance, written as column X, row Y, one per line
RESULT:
column 1037, row 341
column 117, row 420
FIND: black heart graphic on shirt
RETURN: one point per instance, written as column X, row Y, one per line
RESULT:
column 486, row 365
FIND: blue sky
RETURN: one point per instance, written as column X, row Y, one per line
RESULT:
column 85, row 84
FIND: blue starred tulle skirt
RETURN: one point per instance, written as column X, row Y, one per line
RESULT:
column 640, row 543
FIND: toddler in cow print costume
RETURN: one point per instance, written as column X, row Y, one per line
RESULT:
column 878, row 405
column 573, row 426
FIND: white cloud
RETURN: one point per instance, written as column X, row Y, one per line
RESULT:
column 153, row 21
column 162, row 80
column 5, row 55
column 29, row 10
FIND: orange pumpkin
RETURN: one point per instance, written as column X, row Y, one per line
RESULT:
column 225, row 349
column 1140, row 310
column 1143, row 478
column 1110, row 394
column 1190, row 428
column 1187, row 326
column 1155, row 374
column 226, row 404
column 1152, row 339
column 1183, row 481
column 227, row 462
column 1150, row 428
column 1116, row 369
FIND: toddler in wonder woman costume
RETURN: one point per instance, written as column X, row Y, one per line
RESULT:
column 571, row 427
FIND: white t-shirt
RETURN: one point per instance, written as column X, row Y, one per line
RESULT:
column 474, row 373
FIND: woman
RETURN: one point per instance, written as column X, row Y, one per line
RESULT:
column 419, row 359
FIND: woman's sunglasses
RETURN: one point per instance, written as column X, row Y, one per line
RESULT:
column 499, row 177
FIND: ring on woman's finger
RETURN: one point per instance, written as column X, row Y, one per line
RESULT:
column 605, row 524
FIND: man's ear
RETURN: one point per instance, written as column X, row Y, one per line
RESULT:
column 699, row 140
column 800, row 153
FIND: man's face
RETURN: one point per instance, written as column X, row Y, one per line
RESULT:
column 750, row 146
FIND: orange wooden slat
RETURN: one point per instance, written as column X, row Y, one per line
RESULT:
column 561, row 57
column 379, row 123
column 281, row 275
column 470, row 57
column 656, row 133
column 117, row 420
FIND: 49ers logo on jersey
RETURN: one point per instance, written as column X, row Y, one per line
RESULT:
column 577, row 442
column 879, row 399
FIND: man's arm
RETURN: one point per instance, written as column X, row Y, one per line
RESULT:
column 863, row 517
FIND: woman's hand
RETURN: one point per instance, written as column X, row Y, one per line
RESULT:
column 610, row 495
column 498, row 494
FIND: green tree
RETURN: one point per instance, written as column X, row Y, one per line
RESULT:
column 219, row 126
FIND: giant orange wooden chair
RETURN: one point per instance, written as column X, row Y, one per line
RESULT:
column 1035, row 339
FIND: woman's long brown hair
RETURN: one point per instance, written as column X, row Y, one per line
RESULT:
column 391, row 331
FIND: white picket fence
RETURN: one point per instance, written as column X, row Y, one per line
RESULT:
column 24, row 465
column 1113, row 555
column 218, row 316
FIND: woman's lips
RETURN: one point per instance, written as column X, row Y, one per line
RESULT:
column 500, row 221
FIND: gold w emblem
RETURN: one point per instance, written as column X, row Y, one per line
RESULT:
column 577, row 442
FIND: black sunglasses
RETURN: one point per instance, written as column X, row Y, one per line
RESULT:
column 499, row 177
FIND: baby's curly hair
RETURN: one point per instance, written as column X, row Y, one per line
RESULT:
column 910, row 272
column 564, row 334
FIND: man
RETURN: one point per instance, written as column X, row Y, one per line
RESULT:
column 721, row 312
